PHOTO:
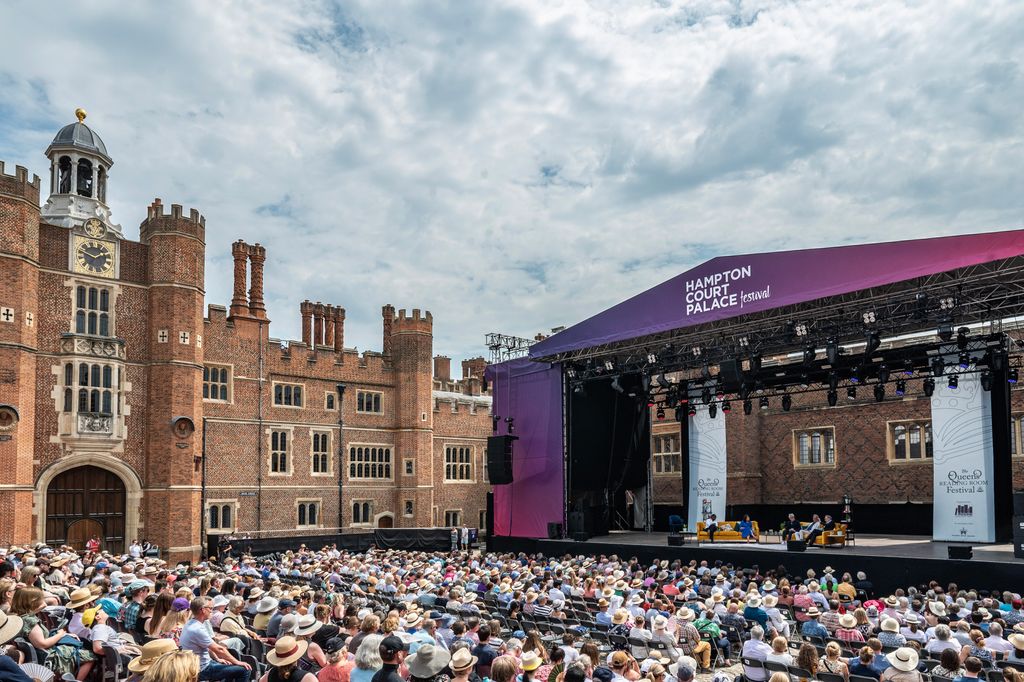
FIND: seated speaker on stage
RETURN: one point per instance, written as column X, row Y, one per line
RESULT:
column 812, row 530
column 711, row 527
column 792, row 530
column 746, row 529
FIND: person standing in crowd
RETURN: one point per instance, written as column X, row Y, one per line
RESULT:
column 216, row 661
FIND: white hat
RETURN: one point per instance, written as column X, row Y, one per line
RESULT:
column 904, row 659
column 890, row 625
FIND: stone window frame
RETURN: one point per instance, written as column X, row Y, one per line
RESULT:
column 350, row 462
column 810, row 430
column 671, row 461
column 293, row 384
column 230, row 383
column 318, row 505
column 1017, row 435
column 368, row 521
column 458, row 518
column 231, row 503
column 472, row 463
column 890, row 441
column 329, row 433
column 408, row 470
column 408, row 508
column 290, row 451
column 362, row 392
column 330, row 400
column 113, row 292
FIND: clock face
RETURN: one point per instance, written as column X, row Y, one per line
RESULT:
column 95, row 257
column 94, row 228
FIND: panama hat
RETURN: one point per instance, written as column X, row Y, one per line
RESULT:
column 10, row 626
column 890, row 625
column 659, row 623
column 904, row 659
column 911, row 618
column 266, row 605
column 813, row 612
column 81, row 597
column 937, row 608
column 769, row 586
column 151, row 651
column 620, row 617
column 307, row 625
column 770, row 601
column 686, row 613
column 530, row 661
column 1017, row 640
column 847, row 620
column 287, row 650
column 461, row 660
column 892, row 601
column 754, row 602
column 428, row 661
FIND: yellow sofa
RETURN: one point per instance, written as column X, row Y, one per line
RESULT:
column 827, row 537
column 727, row 531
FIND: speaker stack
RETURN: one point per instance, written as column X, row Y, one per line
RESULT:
column 796, row 546
column 959, row 551
column 499, row 459
column 1018, row 524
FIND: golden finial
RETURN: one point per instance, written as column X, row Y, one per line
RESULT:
column 81, row 114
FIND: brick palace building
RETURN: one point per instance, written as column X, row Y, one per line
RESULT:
column 126, row 412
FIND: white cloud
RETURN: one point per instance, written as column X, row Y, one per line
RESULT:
column 513, row 166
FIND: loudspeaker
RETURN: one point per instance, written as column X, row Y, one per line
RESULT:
column 960, row 551
column 730, row 374
column 499, row 459
column 675, row 540
column 554, row 531
column 1018, row 502
column 796, row 546
column 580, row 537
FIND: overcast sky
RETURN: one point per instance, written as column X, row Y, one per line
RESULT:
column 516, row 166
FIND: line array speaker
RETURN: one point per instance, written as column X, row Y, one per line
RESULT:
column 499, row 459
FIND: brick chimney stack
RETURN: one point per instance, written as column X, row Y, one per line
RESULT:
column 388, row 313
column 329, row 326
column 339, row 330
column 442, row 367
column 318, row 324
column 257, row 256
column 239, row 302
column 306, row 308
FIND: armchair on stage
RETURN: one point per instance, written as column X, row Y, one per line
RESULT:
column 727, row 531
column 827, row 538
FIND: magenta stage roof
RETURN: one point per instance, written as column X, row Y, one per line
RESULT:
column 730, row 286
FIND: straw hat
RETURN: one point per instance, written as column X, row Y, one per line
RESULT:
column 769, row 586
column 81, row 597
column 754, row 602
column 266, row 605
column 847, row 620
column 685, row 613
column 461, row 660
column 659, row 623
column 890, row 625
column 911, row 618
column 428, row 661
column 770, row 601
column 986, row 615
column 149, row 652
column 892, row 601
column 620, row 617
column 287, row 650
column 937, row 608
column 10, row 626
column 307, row 625
column 530, row 661
column 1017, row 640
column 607, row 592
column 904, row 659
column 813, row 612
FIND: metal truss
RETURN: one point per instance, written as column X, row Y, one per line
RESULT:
column 504, row 347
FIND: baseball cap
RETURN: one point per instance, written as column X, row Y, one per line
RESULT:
column 603, row 674
column 619, row 659
column 284, row 603
column 335, row 644
column 391, row 645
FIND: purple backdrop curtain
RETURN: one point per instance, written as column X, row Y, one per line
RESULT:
column 530, row 393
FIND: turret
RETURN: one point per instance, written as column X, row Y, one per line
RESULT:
column 409, row 339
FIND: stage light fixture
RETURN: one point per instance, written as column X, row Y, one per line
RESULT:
column 800, row 329
column 651, row 358
column 954, row 382
column 945, row 330
column 743, row 341
column 696, row 351
column 929, row 387
column 570, row 372
column 869, row 317
column 851, row 392
column 832, row 351
column 495, row 419
column 879, row 392
column 580, row 391
column 712, row 410
column 833, row 398
column 855, row 375
column 1012, row 376
column 986, row 380
column 947, row 303
column 763, row 402
column 692, row 411
column 748, row 406
column 805, row 380
column 744, row 390
column 719, row 392
column 809, row 355
column 705, row 395
column 961, row 337
column 920, row 305
column 965, row 360
column 833, row 381
column 616, row 385
column 660, row 414
column 873, row 341
column 938, row 366
column 787, row 402
column 609, row 365
column 901, row 388
column 998, row 359
column 726, row 407
column 511, row 422
column 663, row 381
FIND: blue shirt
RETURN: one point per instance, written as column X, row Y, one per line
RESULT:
column 813, row 628
column 196, row 638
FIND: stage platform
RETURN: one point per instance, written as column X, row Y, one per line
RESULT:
column 890, row 561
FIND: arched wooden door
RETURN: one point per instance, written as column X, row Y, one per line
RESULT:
column 85, row 501
column 385, row 522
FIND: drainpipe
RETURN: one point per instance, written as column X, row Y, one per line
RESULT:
column 259, row 440
column 341, row 451
column 202, row 495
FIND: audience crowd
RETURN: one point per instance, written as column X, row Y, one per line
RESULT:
column 392, row 616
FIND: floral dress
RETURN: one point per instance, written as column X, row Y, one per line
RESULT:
column 60, row 658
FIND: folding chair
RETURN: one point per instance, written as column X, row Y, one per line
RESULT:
column 637, row 648
column 111, row 664
column 773, row 667
column 830, row 677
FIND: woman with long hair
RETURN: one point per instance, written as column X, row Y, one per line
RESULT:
column 949, row 666
column 60, row 657
column 174, row 621
column 367, row 660
column 535, row 644
column 174, row 666
column 807, row 659
column 7, row 586
column 833, row 661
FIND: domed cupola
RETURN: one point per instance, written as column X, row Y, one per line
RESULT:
column 79, row 167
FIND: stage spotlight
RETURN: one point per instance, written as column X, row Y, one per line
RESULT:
column 705, row 395
column 684, row 392
column 947, row 303
column 787, row 402
column 743, row 342
column 851, row 392
column 763, row 402
column 961, row 337
column 938, row 366
column 726, row 407
column 800, row 329
column 809, row 355
column 692, row 411
column 873, row 342
column 855, row 375
column 511, row 421
column 945, row 330
column 920, row 305
column 719, row 392
column 965, row 360
column 663, row 381
column 712, row 410
column 495, row 419
column 929, row 387
column 869, row 317
column 954, row 382
column 833, row 398
column 660, row 414
column 748, row 406
column 1012, row 376
column 879, row 392
column 832, row 351
column 616, row 385
column 986, row 380
column 696, row 351
column 609, row 365
column 833, row 381
column 652, row 358
column 901, row 388
column 883, row 373
column 580, row 391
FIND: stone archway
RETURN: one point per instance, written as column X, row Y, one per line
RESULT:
column 115, row 505
column 385, row 520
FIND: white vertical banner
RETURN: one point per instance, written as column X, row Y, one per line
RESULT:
column 707, row 467
column 962, row 459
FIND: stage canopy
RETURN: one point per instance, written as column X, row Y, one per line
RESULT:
column 728, row 287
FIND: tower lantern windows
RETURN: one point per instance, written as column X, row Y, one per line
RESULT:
column 64, row 175
column 101, row 184
column 85, row 179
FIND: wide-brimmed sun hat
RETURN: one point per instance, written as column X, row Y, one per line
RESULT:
column 530, row 661
column 81, row 597
column 461, row 660
column 847, row 620
column 428, row 661
column 904, row 659
column 151, row 651
column 10, row 626
column 890, row 625
column 620, row 617
column 937, row 608
column 266, row 605
column 307, row 625
column 287, row 650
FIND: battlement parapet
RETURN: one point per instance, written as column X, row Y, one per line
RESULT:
column 18, row 185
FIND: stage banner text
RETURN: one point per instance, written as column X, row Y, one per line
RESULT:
column 707, row 468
